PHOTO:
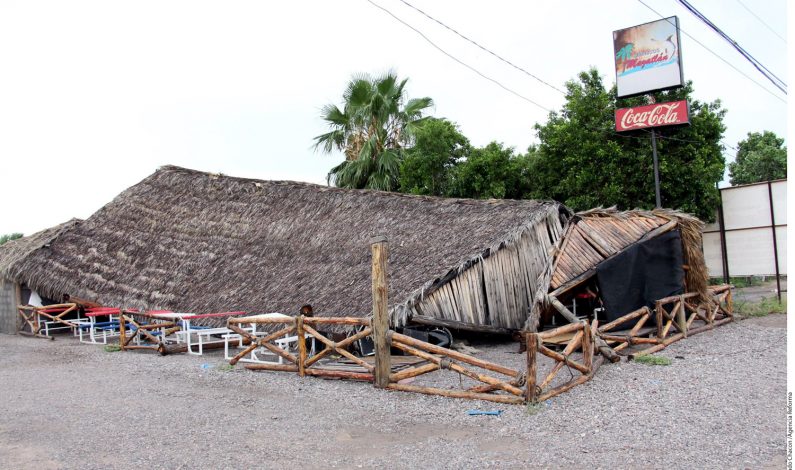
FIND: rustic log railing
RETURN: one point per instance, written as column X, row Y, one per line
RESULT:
column 31, row 317
column 302, row 362
column 155, row 331
column 583, row 340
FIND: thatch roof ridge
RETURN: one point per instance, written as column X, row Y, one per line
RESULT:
column 177, row 170
column 16, row 251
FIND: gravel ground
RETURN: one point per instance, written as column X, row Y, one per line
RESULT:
column 721, row 404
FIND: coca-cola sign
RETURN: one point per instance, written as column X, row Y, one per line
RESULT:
column 654, row 115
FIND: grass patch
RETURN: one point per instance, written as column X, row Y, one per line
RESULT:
column 651, row 360
column 738, row 282
column 226, row 368
column 112, row 348
column 534, row 408
column 763, row 308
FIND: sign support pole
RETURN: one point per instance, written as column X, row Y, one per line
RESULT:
column 656, row 169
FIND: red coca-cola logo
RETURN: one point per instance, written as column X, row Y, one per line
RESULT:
column 655, row 115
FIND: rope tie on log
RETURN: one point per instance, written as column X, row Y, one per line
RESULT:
column 445, row 363
column 521, row 379
column 566, row 363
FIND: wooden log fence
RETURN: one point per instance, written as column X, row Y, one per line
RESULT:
column 31, row 318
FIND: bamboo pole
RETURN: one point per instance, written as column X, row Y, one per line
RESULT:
column 560, row 357
column 532, row 366
column 433, row 349
column 461, row 370
column 508, row 399
column 299, row 328
column 383, row 356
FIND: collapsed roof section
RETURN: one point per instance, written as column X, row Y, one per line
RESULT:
column 191, row 241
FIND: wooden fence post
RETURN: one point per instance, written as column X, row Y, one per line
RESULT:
column 380, row 323
column 659, row 319
column 532, row 348
column 681, row 317
column 587, row 347
column 299, row 327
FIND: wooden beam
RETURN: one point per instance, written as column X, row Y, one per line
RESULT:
column 457, row 325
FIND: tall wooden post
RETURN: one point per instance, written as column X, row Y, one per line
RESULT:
column 532, row 348
column 380, row 323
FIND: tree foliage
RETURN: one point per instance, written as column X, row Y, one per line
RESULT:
column 582, row 162
column 439, row 146
column 9, row 236
column 760, row 157
column 493, row 171
column 377, row 122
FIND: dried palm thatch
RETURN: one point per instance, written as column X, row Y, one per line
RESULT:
column 596, row 235
column 190, row 241
column 15, row 252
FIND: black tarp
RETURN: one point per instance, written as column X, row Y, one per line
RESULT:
column 641, row 275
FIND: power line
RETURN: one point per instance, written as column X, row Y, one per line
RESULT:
column 718, row 56
column 457, row 60
column 603, row 132
column 762, row 21
column 777, row 82
column 484, row 48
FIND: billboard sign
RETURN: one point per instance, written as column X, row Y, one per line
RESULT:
column 673, row 113
column 648, row 57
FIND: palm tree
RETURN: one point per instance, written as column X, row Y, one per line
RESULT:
column 376, row 123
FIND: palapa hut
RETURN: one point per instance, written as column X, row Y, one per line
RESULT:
column 13, row 282
column 198, row 242
column 623, row 261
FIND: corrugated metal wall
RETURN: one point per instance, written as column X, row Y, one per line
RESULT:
column 749, row 232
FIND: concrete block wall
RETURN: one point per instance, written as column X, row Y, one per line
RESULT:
column 8, row 306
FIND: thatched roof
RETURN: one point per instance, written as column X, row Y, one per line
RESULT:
column 593, row 236
column 13, row 253
column 197, row 242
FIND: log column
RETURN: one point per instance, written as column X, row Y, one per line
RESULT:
column 532, row 348
column 380, row 323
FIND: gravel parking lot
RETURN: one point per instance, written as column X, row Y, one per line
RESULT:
column 721, row 404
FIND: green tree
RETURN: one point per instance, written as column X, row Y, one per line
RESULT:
column 760, row 157
column 426, row 169
column 9, row 236
column 493, row 171
column 377, row 122
column 582, row 162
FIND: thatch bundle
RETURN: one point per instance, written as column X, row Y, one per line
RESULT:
column 196, row 242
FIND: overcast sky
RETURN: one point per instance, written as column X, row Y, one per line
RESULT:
column 95, row 96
